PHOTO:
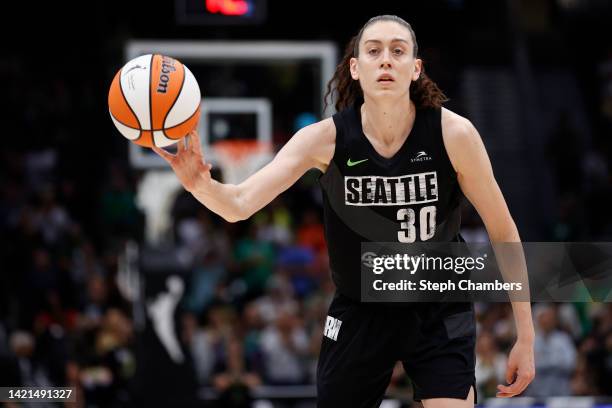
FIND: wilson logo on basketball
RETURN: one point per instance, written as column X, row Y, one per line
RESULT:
column 166, row 68
column 154, row 100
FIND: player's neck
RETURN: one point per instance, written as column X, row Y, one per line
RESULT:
column 388, row 120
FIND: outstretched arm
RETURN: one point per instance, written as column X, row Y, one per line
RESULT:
column 311, row 147
column 475, row 176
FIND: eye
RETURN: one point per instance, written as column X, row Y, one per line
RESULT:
column 373, row 51
column 398, row 51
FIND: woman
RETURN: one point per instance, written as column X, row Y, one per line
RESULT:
column 394, row 164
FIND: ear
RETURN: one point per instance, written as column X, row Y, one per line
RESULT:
column 418, row 67
column 353, row 68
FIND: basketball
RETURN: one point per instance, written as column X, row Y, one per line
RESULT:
column 154, row 100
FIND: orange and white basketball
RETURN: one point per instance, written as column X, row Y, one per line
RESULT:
column 154, row 100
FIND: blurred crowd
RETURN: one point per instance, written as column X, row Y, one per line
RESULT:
column 252, row 312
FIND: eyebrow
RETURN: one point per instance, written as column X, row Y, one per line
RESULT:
column 393, row 40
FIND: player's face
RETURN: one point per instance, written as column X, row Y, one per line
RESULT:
column 386, row 64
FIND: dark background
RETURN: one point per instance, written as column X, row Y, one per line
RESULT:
column 535, row 77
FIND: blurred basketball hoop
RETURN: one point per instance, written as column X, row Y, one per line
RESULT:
column 236, row 113
column 239, row 158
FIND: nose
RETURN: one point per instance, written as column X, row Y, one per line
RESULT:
column 386, row 59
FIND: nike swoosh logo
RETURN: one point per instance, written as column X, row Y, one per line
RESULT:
column 354, row 163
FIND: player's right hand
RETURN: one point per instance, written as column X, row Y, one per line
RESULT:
column 188, row 163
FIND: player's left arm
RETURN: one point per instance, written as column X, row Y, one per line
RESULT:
column 475, row 176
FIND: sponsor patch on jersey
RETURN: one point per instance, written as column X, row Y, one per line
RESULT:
column 332, row 328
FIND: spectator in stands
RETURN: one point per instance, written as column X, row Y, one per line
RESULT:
column 251, row 328
column 555, row 356
column 490, row 365
column 50, row 218
column 121, row 217
column 95, row 305
column 310, row 233
column 274, row 224
column 279, row 297
column 22, row 368
column 596, row 355
column 285, row 346
column 253, row 261
column 237, row 371
column 584, row 380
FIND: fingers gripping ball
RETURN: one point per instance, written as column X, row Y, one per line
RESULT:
column 154, row 100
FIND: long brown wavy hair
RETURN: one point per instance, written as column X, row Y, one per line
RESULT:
column 423, row 92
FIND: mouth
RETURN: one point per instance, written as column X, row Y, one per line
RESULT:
column 385, row 78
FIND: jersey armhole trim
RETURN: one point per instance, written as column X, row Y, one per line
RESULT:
column 337, row 120
column 443, row 151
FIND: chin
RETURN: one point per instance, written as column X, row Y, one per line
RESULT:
column 385, row 93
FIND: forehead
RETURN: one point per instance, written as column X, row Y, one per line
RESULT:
column 386, row 31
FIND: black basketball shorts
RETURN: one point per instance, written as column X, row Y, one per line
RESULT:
column 363, row 341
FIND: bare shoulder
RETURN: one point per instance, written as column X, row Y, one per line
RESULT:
column 325, row 130
column 455, row 126
column 459, row 135
column 320, row 140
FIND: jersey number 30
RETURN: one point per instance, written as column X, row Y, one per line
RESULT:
column 407, row 218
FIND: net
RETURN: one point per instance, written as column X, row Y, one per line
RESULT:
column 239, row 158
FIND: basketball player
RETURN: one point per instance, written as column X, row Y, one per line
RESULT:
column 389, row 124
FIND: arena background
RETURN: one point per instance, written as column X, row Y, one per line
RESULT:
column 87, row 265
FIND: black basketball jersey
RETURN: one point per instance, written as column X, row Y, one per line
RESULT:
column 412, row 196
